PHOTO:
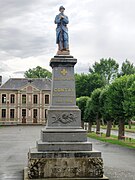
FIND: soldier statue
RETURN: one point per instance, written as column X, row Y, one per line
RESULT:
column 62, row 31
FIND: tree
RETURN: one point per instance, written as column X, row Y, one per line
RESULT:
column 116, row 97
column 89, row 115
column 129, row 103
column 107, row 68
column 38, row 72
column 86, row 83
column 96, row 107
column 127, row 68
column 81, row 81
column 104, row 108
column 81, row 103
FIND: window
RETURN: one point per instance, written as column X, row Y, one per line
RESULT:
column 12, row 99
column 23, row 112
column 3, row 98
column 35, row 99
column 12, row 113
column 46, row 99
column 3, row 114
column 35, row 113
column 23, row 99
column 45, row 113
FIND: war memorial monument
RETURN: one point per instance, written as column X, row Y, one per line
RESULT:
column 63, row 152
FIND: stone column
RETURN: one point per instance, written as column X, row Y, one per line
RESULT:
column 64, row 117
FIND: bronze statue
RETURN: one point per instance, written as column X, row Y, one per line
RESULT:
column 62, row 31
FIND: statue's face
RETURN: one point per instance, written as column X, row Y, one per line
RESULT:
column 62, row 10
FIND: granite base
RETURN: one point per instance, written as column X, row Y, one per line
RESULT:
column 27, row 178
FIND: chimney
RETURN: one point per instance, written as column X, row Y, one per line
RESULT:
column 0, row 80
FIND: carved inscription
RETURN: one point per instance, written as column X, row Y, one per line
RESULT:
column 63, row 90
column 64, row 79
column 59, row 101
column 61, row 95
column 66, row 170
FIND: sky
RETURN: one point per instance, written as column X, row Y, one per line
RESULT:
column 97, row 29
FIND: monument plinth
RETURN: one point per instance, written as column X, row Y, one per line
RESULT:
column 63, row 151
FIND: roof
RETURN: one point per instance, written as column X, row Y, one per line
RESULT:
column 19, row 83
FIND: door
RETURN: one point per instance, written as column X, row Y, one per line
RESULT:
column 35, row 115
column 24, row 116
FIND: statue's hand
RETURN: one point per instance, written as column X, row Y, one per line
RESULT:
column 62, row 17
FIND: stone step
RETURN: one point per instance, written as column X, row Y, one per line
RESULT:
column 33, row 153
column 64, row 146
column 63, row 135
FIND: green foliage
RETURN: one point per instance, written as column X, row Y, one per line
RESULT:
column 95, row 96
column 89, row 115
column 129, row 103
column 104, row 106
column 116, row 97
column 38, row 72
column 127, row 68
column 81, row 103
column 92, row 111
column 87, row 83
column 121, row 98
column 107, row 68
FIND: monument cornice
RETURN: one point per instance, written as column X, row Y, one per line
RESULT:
column 64, row 60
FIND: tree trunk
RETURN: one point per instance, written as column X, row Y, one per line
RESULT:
column 129, row 123
column 103, row 122
column 85, row 126
column 121, row 131
column 108, row 130
column 114, row 124
column 82, row 124
column 98, row 126
column 90, row 126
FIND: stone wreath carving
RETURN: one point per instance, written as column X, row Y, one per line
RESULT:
column 95, row 167
column 64, row 118
column 36, row 168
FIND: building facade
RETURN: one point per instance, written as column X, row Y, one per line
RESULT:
column 24, row 101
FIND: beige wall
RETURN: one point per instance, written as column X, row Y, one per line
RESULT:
column 29, row 106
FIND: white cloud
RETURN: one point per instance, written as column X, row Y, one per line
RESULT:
column 97, row 29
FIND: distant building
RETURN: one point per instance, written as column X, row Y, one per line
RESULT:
column 24, row 101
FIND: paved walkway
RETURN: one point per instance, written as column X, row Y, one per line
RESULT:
column 119, row 162
column 15, row 141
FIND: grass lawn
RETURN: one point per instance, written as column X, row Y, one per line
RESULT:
column 116, row 128
column 113, row 140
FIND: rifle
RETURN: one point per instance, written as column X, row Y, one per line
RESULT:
column 61, row 34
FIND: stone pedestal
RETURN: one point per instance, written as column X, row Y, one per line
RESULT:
column 63, row 151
